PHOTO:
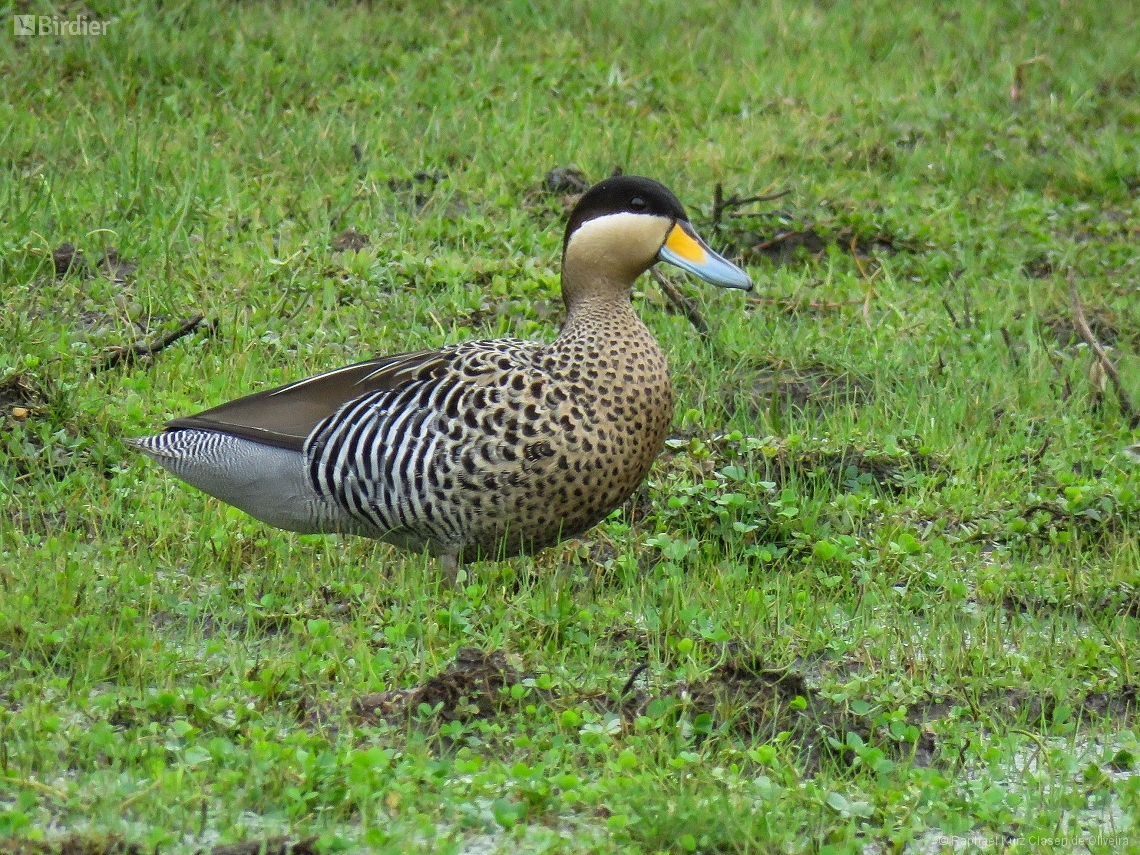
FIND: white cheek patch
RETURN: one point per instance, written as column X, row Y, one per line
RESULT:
column 636, row 237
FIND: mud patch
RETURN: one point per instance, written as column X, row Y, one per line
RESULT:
column 1041, row 711
column 635, row 637
column 417, row 193
column 272, row 846
column 115, row 268
column 350, row 240
column 19, row 399
column 1124, row 602
column 68, row 259
column 339, row 603
column 566, row 180
column 203, row 624
column 469, row 688
column 420, row 178
column 1017, row 704
column 760, row 703
column 1100, row 517
column 784, row 237
column 1103, row 325
column 1123, row 704
column 557, row 194
column 781, row 248
column 1125, row 84
column 1038, row 267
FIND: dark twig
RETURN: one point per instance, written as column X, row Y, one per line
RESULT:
column 718, row 205
column 1039, row 453
column 1019, row 74
column 120, row 355
column 637, row 672
column 733, row 202
column 965, row 746
column 1082, row 325
column 771, row 242
column 1055, row 512
column 721, row 205
column 950, row 312
column 681, row 302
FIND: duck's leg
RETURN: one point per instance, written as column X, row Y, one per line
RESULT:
column 449, row 568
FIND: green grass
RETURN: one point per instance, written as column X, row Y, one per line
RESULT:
column 944, row 557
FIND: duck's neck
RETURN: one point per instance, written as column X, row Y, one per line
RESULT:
column 605, row 346
column 601, row 320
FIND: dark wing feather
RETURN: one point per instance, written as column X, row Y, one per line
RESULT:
column 285, row 416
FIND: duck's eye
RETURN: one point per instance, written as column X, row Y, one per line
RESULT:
column 637, row 204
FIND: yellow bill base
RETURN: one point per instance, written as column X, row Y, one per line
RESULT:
column 683, row 245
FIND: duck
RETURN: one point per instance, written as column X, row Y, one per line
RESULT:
column 478, row 450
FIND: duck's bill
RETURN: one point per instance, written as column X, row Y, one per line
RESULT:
column 685, row 249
